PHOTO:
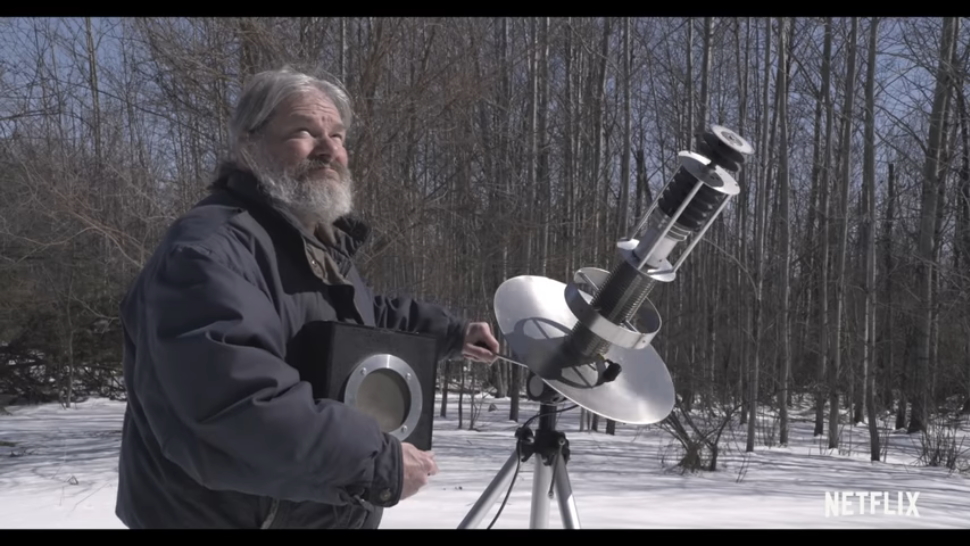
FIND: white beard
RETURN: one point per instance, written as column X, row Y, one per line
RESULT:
column 313, row 199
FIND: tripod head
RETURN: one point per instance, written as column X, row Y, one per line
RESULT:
column 589, row 340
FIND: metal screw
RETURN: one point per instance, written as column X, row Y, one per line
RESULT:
column 408, row 377
column 404, row 428
column 363, row 371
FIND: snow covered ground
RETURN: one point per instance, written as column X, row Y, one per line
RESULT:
column 58, row 470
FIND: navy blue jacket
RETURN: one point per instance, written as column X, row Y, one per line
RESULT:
column 220, row 431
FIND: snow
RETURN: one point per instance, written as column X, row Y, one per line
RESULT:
column 58, row 469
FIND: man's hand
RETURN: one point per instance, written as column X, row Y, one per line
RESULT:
column 480, row 344
column 418, row 467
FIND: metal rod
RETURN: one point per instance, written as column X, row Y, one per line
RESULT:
column 670, row 223
column 541, row 480
column 697, row 238
column 490, row 496
column 642, row 222
column 509, row 360
column 564, row 494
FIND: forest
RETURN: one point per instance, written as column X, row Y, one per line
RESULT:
column 486, row 148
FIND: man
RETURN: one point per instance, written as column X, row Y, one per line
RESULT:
column 220, row 432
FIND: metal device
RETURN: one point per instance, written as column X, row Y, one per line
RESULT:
column 589, row 340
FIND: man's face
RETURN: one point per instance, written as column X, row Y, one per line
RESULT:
column 306, row 138
column 300, row 159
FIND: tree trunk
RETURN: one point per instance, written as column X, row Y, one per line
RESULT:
column 445, row 377
column 842, row 241
column 783, row 225
column 925, row 245
column 741, row 284
column 962, row 243
column 761, row 207
column 869, row 184
column 824, row 235
column 515, row 372
column 707, row 290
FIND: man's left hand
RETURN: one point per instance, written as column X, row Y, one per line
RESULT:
column 480, row 344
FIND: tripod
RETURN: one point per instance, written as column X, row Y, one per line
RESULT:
column 552, row 450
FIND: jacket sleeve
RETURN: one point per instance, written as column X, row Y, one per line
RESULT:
column 235, row 416
column 410, row 315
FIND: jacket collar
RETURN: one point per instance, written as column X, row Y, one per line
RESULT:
column 346, row 236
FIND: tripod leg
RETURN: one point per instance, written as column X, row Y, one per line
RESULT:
column 491, row 493
column 541, row 480
column 564, row 494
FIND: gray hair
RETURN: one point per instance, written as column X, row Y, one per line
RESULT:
column 266, row 90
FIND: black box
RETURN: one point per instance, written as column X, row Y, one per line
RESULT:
column 387, row 374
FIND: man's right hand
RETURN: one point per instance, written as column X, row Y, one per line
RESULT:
column 418, row 467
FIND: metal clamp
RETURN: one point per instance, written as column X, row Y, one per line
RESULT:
column 623, row 335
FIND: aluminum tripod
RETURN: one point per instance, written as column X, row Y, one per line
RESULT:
column 552, row 450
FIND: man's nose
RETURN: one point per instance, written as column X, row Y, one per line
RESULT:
column 324, row 147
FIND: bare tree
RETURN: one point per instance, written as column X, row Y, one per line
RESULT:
column 930, row 186
column 841, row 242
column 761, row 208
column 489, row 148
column 869, row 229
column 784, row 218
